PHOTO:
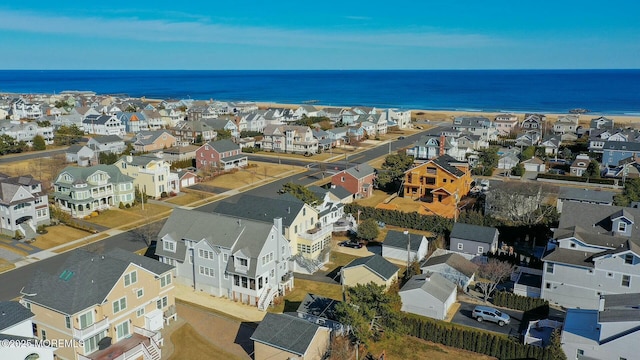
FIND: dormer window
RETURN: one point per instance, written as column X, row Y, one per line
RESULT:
column 628, row 259
column 622, row 226
column 243, row 262
column 169, row 245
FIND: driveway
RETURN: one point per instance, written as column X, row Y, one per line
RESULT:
column 463, row 317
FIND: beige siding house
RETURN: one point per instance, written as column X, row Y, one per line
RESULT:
column 369, row 269
column 284, row 337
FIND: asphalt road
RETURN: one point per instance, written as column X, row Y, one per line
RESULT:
column 11, row 282
column 463, row 317
column 30, row 155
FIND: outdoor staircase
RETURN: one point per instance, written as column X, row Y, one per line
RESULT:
column 28, row 231
column 267, row 298
column 153, row 351
column 310, row 265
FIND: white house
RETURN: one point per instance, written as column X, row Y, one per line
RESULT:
column 16, row 334
column 396, row 244
column 429, row 295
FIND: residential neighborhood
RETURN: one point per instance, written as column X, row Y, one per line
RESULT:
column 141, row 223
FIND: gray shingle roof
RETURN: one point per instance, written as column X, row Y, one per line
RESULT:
column 570, row 257
column 376, row 264
column 621, row 146
column 361, row 170
column 224, row 145
column 397, row 239
column 80, row 174
column 477, row 233
column 85, row 279
column 432, row 283
column 594, row 219
column 455, row 261
column 105, row 139
column 286, row 333
column 446, row 162
column 319, row 306
column 340, row 192
column 262, row 209
column 13, row 313
column 620, row 308
column 586, row 195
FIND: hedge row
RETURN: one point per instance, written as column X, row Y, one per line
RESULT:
column 474, row 340
column 518, row 302
column 577, row 179
column 412, row 220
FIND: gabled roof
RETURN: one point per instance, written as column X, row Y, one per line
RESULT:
column 621, row 146
column 148, row 137
column 13, row 313
column 340, row 192
column 577, row 194
column 455, row 261
column 595, row 219
column 286, row 333
column 224, row 145
column 620, row 308
column 471, row 232
column 85, row 279
column 432, row 283
column 398, row 239
column 360, row 171
column 446, row 162
column 262, row 209
column 81, row 174
column 376, row 264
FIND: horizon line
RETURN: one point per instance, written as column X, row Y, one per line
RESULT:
column 292, row 70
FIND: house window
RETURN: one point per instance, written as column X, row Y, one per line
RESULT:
column 130, row 278
column 206, row 271
column 548, row 285
column 243, row 262
column 119, row 305
column 460, row 246
column 342, row 179
column 480, row 250
column 169, row 245
column 550, row 268
column 122, row 330
column 590, row 271
column 626, row 280
column 610, row 275
column 140, row 312
column 225, row 257
column 67, row 322
column 622, row 227
column 572, row 245
column 161, row 303
column 44, row 334
column 165, row 280
column 628, row 259
column 205, row 254
column 139, row 293
column 579, row 352
column 86, row 319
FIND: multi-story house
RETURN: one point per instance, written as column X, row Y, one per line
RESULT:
column 109, row 305
column 20, row 109
column 254, row 122
column 16, row 327
column 601, row 123
column 476, row 125
column 400, row 118
column 533, row 121
column 154, row 120
column 241, row 259
column 567, row 124
column 190, row 132
column 23, row 205
column 222, row 154
column 151, row 175
column 103, row 125
column 330, row 208
column 171, row 116
column 133, row 122
column 441, row 182
column 290, row 139
column 224, row 124
column 307, row 236
column 580, row 165
column 613, row 152
column 597, row 253
column 473, row 239
column 358, row 180
column 609, row 332
column 505, row 124
column 82, row 190
column 147, row 141
column 598, row 138
column 108, row 144
column 570, row 194
column 551, row 145
column 26, row 131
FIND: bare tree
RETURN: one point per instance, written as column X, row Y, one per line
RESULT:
column 149, row 229
column 341, row 348
column 490, row 274
column 520, row 203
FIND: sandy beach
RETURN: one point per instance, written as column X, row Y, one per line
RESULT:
column 448, row 115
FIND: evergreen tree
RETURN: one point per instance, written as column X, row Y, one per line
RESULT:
column 368, row 229
column 38, row 143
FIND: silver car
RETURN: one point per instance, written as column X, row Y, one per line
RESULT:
column 482, row 313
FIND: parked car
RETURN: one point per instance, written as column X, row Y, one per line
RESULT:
column 482, row 313
column 401, row 137
column 350, row 244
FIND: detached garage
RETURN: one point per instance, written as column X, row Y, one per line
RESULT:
column 187, row 178
column 428, row 295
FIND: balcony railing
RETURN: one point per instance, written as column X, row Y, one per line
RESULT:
column 91, row 330
column 317, row 233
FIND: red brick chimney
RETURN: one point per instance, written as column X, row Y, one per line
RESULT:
column 442, row 140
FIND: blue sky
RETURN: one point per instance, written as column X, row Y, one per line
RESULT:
column 348, row 34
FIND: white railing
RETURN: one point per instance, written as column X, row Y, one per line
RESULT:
column 533, row 340
column 266, row 298
column 92, row 329
column 317, row 233
column 153, row 335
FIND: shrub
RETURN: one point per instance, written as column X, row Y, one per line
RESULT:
column 518, row 302
column 412, row 220
column 121, row 205
column 94, row 214
column 164, row 194
column 128, row 206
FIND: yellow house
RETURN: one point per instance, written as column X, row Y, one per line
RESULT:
column 440, row 182
column 106, row 305
column 368, row 269
column 284, row 337
column 151, row 175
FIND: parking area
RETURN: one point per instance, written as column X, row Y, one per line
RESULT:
column 463, row 317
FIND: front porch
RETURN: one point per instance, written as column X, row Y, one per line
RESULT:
column 142, row 344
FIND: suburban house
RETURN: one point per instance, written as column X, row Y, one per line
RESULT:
column 221, row 154
column 358, row 180
column 121, row 301
column 108, row 143
column 567, row 124
column 103, row 125
column 285, row 337
column 441, row 182
column 453, row 267
column 151, row 175
column 476, row 125
column 505, row 124
column 397, row 243
column 322, row 311
column 535, row 164
column 599, row 138
column 528, row 138
column 399, row 118
column 307, row 237
column 597, row 253
column 83, row 190
column 551, row 145
column 432, row 146
column 569, row 194
column 26, row 131
column 179, row 153
column 24, row 205
column 508, row 161
column 429, row 294
column 148, row 141
column 608, row 332
column 241, row 259
column 290, row 139
column 368, row 269
column 81, row 154
column 189, row 132
column 330, row 209
column 615, row 151
column 533, row 121
column 473, row 239
column 580, row 165
column 16, row 325
column 224, row 125
column 601, row 123
column 133, row 122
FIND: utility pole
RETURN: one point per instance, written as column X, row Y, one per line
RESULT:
column 406, row 232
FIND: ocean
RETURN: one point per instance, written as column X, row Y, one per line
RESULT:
column 551, row 91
